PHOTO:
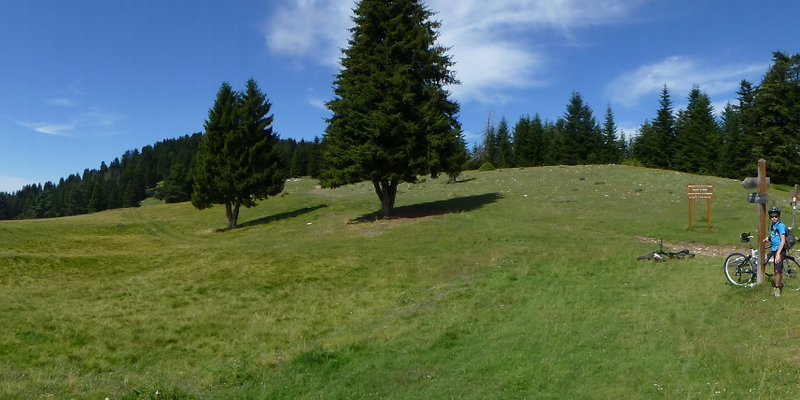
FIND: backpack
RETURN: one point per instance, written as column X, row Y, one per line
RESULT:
column 791, row 239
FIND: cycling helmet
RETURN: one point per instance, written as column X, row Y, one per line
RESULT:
column 774, row 210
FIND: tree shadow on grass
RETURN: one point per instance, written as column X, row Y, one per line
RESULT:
column 281, row 216
column 440, row 207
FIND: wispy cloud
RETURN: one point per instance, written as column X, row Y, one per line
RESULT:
column 480, row 34
column 49, row 128
column 97, row 118
column 318, row 103
column 88, row 121
column 310, row 29
column 680, row 74
column 10, row 184
column 61, row 102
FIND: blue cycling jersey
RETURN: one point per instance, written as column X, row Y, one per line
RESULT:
column 775, row 231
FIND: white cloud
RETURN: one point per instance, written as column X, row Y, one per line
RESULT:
column 680, row 74
column 48, row 128
column 10, row 184
column 318, row 103
column 97, row 118
column 87, row 121
column 487, row 39
column 61, row 102
column 314, row 29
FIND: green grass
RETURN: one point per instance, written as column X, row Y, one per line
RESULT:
column 519, row 283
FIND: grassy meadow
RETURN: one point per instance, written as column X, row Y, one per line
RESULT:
column 511, row 284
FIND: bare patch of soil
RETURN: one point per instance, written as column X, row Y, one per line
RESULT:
column 700, row 249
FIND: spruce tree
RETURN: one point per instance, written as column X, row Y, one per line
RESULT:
column 237, row 163
column 523, row 142
column 542, row 137
column 505, row 151
column 777, row 118
column 611, row 150
column 654, row 145
column 732, row 163
column 392, row 119
column 697, row 138
column 581, row 139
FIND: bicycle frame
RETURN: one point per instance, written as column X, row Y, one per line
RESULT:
column 741, row 270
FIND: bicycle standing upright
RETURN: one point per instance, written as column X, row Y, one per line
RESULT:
column 742, row 270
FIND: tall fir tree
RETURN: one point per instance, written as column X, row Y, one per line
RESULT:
column 739, row 135
column 237, row 163
column 523, row 142
column 581, row 136
column 730, row 162
column 505, row 150
column 542, row 137
column 392, row 119
column 611, row 149
column 697, row 137
column 777, row 110
column 654, row 145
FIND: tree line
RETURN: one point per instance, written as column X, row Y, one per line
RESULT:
column 764, row 122
column 163, row 170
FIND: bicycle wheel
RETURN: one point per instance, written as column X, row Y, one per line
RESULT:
column 740, row 270
column 790, row 271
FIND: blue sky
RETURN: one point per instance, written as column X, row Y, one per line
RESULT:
column 83, row 81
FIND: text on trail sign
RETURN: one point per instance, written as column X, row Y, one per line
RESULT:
column 700, row 192
column 694, row 192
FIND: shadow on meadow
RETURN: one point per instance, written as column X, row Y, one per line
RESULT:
column 281, row 216
column 440, row 207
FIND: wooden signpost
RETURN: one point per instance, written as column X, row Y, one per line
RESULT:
column 700, row 192
column 761, row 183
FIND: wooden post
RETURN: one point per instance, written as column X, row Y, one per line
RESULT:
column 794, row 205
column 762, row 220
column 700, row 192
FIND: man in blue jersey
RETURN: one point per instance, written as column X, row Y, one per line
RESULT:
column 777, row 241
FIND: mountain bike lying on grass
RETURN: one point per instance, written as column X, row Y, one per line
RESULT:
column 661, row 255
column 742, row 270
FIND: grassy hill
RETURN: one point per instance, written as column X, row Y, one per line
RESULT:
column 512, row 284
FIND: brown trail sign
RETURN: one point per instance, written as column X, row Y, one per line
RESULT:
column 700, row 192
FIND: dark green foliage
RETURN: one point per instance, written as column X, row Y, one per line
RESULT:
column 612, row 148
column 486, row 166
column 456, row 158
column 118, row 184
column 392, row 119
column 164, row 170
column 524, row 146
column 505, row 155
column 237, row 162
column 653, row 148
column 487, row 150
column 579, row 139
column 777, row 116
column 697, row 137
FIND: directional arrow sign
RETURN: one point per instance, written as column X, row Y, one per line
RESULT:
column 752, row 183
column 757, row 198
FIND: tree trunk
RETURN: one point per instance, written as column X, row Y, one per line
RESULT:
column 232, row 212
column 387, row 192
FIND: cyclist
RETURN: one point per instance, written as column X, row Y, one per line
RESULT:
column 777, row 240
